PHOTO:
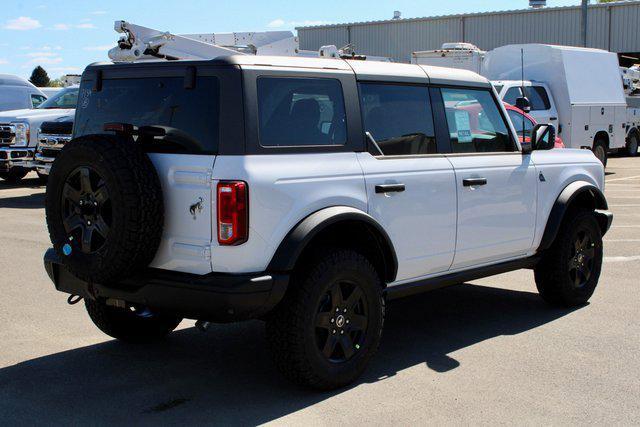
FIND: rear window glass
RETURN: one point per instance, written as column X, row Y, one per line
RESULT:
column 188, row 117
column 301, row 112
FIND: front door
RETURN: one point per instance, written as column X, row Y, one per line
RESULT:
column 410, row 186
column 496, row 184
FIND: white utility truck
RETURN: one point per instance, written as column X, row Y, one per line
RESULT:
column 464, row 56
column 140, row 43
column 577, row 89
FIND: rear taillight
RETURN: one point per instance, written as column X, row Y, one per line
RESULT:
column 233, row 212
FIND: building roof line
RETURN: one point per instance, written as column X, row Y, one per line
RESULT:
column 466, row 15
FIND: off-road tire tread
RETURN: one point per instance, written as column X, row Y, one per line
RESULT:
column 142, row 195
column 285, row 327
column 550, row 271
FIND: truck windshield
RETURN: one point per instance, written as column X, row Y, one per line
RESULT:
column 66, row 98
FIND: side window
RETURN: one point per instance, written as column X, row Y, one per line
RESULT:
column 521, row 123
column 301, row 112
column 37, row 100
column 475, row 123
column 399, row 118
column 512, row 94
column 538, row 97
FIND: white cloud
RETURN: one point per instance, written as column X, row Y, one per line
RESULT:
column 99, row 48
column 22, row 23
column 44, row 60
column 276, row 23
column 279, row 23
column 41, row 54
column 99, row 12
column 3, row 61
column 65, row 27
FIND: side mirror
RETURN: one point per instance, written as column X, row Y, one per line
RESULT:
column 543, row 137
column 523, row 104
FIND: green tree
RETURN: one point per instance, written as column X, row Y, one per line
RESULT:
column 56, row 83
column 39, row 77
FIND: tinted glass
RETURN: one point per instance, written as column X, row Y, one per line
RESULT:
column 301, row 112
column 66, row 98
column 512, row 95
column 399, row 118
column 37, row 100
column 521, row 123
column 188, row 117
column 537, row 97
column 498, row 88
column 12, row 98
column 475, row 123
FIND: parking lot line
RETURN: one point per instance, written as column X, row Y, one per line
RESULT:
column 621, row 258
column 627, row 178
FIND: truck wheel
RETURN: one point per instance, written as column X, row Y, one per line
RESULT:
column 600, row 151
column 568, row 272
column 129, row 325
column 330, row 323
column 104, row 208
column 14, row 175
column 632, row 145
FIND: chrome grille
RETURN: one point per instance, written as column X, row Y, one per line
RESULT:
column 46, row 140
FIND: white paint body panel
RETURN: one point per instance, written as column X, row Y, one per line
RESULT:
column 495, row 221
column 560, row 168
column 186, row 239
column 283, row 190
column 421, row 220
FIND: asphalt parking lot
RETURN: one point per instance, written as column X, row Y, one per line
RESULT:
column 490, row 352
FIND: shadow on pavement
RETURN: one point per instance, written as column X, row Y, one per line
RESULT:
column 31, row 201
column 226, row 377
column 23, row 183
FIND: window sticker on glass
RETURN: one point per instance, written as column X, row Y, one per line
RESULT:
column 463, row 126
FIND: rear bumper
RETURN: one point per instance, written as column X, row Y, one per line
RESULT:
column 214, row 297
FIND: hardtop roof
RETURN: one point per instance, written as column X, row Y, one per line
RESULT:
column 364, row 70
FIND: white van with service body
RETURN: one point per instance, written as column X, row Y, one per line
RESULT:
column 584, row 84
column 463, row 56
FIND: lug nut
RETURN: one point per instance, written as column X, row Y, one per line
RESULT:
column 333, row 332
column 341, row 332
column 347, row 320
column 332, row 320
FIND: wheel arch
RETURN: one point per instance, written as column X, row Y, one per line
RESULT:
column 578, row 194
column 602, row 135
column 341, row 225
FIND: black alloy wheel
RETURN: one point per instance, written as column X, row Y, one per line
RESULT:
column 582, row 259
column 341, row 322
column 87, row 209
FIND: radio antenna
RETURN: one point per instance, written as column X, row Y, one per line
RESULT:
column 523, row 93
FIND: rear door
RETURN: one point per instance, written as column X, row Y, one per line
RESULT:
column 495, row 183
column 410, row 184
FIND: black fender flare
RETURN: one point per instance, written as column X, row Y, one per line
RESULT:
column 567, row 196
column 296, row 241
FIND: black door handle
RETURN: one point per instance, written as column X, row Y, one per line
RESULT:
column 472, row 182
column 389, row 188
column 553, row 118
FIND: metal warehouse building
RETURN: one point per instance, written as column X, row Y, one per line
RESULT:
column 611, row 26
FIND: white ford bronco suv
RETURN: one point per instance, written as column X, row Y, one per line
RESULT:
column 306, row 192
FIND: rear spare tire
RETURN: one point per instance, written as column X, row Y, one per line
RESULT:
column 104, row 208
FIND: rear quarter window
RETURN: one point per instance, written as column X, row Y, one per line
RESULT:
column 301, row 112
column 190, row 117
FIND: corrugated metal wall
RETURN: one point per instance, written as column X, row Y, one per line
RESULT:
column 613, row 26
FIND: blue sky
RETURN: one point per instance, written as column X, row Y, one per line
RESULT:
column 65, row 35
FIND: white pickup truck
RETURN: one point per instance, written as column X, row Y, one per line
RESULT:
column 19, row 132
